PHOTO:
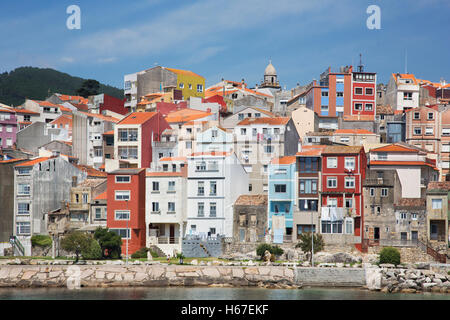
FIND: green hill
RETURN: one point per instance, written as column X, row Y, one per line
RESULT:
column 35, row 83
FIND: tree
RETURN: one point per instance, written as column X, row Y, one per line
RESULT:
column 89, row 87
column 306, row 244
column 109, row 241
column 390, row 255
column 93, row 251
column 76, row 242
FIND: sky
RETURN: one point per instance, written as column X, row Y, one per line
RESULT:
column 232, row 39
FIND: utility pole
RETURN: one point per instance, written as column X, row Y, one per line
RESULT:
column 128, row 233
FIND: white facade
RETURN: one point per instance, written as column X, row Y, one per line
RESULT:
column 46, row 113
column 165, row 209
column 222, row 179
column 130, row 82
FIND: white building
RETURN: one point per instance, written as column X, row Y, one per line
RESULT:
column 215, row 180
column 402, row 91
column 165, row 205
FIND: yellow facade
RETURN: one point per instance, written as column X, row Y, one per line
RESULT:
column 188, row 82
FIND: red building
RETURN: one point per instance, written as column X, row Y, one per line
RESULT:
column 126, row 207
column 103, row 102
column 343, row 172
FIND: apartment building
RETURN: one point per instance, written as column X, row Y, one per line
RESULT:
column 8, row 127
column 402, row 92
column 166, row 205
column 214, row 181
column 126, row 207
column 423, row 128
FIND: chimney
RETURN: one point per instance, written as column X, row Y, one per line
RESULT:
column 74, row 181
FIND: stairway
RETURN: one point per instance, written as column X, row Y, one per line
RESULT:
column 158, row 250
column 204, row 249
column 17, row 247
column 439, row 257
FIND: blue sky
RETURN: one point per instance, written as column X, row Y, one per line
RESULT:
column 231, row 39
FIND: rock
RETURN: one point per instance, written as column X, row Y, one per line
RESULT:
column 385, row 290
column 250, row 263
column 438, row 281
column 408, row 290
column 370, row 258
column 435, row 289
column 290, row 255
column 306, row 264
column 211, row 272
column 267, row 256
column 428, row 285
column 422, row 265
column 373, row 279
column 412, row 276
column 340, row 265
column 440, row 277
column 194, row 262
column 387, row 265
column 390, row 274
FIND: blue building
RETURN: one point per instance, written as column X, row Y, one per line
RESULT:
column 281, row 197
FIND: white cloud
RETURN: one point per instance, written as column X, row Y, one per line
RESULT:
column 68, row 59
column 107, row 60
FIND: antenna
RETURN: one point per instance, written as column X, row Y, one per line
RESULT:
column 360, row 67
column 406, row 61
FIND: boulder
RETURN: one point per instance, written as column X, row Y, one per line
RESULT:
column 387, row 265
column 373, row 279
column 422, row 265
column 370, row 258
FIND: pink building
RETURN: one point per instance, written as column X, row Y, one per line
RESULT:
column 8, row 127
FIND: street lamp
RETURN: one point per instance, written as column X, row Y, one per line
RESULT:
column 312, row 233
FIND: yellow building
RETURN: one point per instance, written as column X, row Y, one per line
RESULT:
column 190, row 83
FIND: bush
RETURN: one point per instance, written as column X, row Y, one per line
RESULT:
column 93, row 251
column 390, row 255
column 306, row 243
column 110, row 243
column 76, row 242
column 141, row 253
column 275, row 250
column 40, row 240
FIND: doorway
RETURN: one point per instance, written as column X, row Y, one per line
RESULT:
column 376, row 233
column 172, row 234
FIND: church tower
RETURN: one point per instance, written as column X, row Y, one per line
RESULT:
column 270, row 77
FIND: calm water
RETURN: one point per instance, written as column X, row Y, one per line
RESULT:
column 195, row 293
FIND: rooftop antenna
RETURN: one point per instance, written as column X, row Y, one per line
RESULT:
column 360, row 67
column 406, row 61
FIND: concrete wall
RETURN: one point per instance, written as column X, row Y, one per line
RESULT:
column 331, row 277
column 201, row 248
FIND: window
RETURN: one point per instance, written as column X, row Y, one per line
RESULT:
column 85, row 198
column 165, row 167
column 430, row 116
column 349, row 226
column 128, row 152
column 332, row 202
column 413, row 216
column 324, row 93
column 436, row 203
column 23, row 189
column 403, row 215
column 349, row 203
column 243, row 131
column 213, row 166
column 308, row 205
column 308, row 186
column 345, row 139
column 213, row 188
column 332, row 182
column 214, row 133
column 368, row 106
column 250, row 188
column 201, row 188
column 369, row 92
column 326, row 226
column 416, row 115
column 200, row 209
column 123, row 179
column 446, row 132
column 429, row 130
column 280, row 188
column 122, row 215
column 358, row 90
column 212, row 209
column 181, row 85
column 122, row 195
column 382, row 155
column 268, row 149
column 241, row 116
column 200, row 166
column 339, row 94
column 171, row 186
column 331, row 162
column 155, row 186
column 23, row 208
column 128, row 134
column 171, row 207
column 372, row 192
column 193, row 228
column 257, row 115
column 23, row 228
column 77, row 198
column 188, row 144
column 417, row 130
column 350, row 163
column 24, row 171
column 407, row 95
column 349, row 182
column 384, row 192
column 324, row 108
column 358, row 106
column 123, row 233
column 199, row 88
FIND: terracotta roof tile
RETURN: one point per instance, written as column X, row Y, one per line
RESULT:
column 269, row 121
column 33, row 162
column 395, row 148
column 353, row 131
column 172, row 159
column 411, row 202
column 342, row 149
column 284, row 160
column 184, row 72
column 102, row 196
column 90, row 171
column 166, row 174
column 101, row 117
column 439, row 185
column 185, row 115
column 384, row 110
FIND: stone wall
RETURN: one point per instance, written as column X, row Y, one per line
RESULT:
column 146, row 275
column 201, row 248
column 407, row 254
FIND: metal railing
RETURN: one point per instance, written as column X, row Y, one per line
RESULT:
column 17, row 245
column 391, row 242
column 168, row 240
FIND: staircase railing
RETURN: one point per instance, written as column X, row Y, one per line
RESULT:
column 17, row 245
column 442, row 258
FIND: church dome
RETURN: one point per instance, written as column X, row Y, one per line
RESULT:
column 270, row 70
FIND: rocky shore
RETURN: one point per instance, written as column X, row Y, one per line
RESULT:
column 413, row 280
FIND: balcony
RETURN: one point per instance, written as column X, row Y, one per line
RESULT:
column 378, row 182
column 337, row 213
column 168, row 240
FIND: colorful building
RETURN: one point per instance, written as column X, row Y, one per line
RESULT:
column 126, row 207
column 8, row 128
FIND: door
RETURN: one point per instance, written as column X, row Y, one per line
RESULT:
column 376, row 233
column 242, row 235
column 403, row 236
column 172, row 233
column 414, row 236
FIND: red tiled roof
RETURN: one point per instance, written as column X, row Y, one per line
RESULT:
column 184, row 72
column 405, row 76
column 394, row 148
column 33, row 162
column 90, row 171
column 102, row 196
column 311, row 151
column 284, row 160
column 165, row 174
column 173, row 159
column 137, row 118
column 401, row 163
column 10, row 160
column 270, row 121
column 353, row 131
column 101, row 117
column 185, row 115
column 109, row 133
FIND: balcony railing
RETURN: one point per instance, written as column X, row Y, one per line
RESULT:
column 168, row 240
